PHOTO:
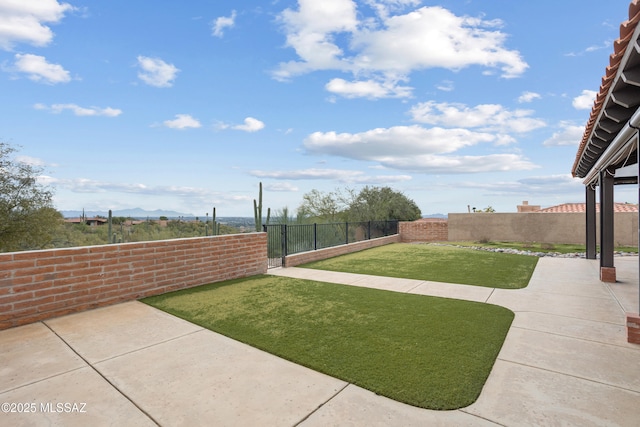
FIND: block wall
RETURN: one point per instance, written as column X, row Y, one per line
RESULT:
column 37, row 285
column 305, row 257
column 543, row 227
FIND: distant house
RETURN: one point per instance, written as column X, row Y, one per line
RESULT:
column 574, row 208
column 582, row 208
column 89, row 221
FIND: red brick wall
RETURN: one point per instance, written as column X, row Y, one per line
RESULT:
column 425, row 230
column 305, row 257
column 633, row 328
column 37, row 285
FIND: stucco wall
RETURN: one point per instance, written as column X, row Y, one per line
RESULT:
column 537, row 227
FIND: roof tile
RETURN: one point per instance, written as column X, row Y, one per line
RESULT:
column 581, row 207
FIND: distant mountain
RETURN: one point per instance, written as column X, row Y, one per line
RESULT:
column 437, row 215
column 133, row 213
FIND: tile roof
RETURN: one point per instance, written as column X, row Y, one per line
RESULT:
column 581, row 207
column 612, row 71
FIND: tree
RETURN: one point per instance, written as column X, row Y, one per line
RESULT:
column 371, row 203
column 382, row 203
column 282, row 216
column 27, row 217
column 321, row 206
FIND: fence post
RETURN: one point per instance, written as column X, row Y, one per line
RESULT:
column 315, row 236
column 369, row 230
column 346, row 233
column 283, row 234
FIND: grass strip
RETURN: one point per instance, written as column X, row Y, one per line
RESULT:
column 429, row 352
column 436, row 263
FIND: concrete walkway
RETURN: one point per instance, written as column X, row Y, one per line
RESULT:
column 565, row 362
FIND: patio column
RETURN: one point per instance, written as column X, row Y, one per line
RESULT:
column 607, row 269
column 591, row 221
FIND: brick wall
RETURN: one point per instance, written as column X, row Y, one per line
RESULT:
column 305, row 257
column 37, row 285
column 633, row 328
column 424, row 230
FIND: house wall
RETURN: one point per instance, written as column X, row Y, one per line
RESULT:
column 37, row 285
column 305, row 257
column 537, row 227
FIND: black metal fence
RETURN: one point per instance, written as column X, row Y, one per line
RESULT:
column 283, row 239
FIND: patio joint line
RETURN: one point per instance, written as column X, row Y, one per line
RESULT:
column 149, row 346
column 103, row 377
column 463, row 410
column 321, row 405
column 561, row 294
column 490, row 295
column 408, row 291
column 571, row 375
column 614, row 297
column 42, row 379
column 570, row 317
column 557, row 334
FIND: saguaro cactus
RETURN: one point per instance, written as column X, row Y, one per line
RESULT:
column 257, row 211
column 110, row 223
column 215, row 226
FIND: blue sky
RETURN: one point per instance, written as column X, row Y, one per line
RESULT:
column 189, row 105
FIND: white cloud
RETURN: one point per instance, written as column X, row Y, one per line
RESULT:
column 461, row 164
column 445, row 86
column 585, row 100
column 345, row 176
column 223, row 22
column 80, row 111
column 182, row 121
column 415, row 148
column 367, row 89
column 25, row 21
column 39, row 70
column 569, row 134
column 384, row 7
column 393, row 46
column 547, row 185
column 403, row 141
column 528, row 97
column 156, row 72
column 250, row 125
column 281, row 187
column 593, row 48
column 485, row 117
column 310, row 31
column 28, row 160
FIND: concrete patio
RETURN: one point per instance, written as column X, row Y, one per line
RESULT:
column 565, row 362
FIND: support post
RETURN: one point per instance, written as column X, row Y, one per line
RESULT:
column 346, row 233
column 607, row 268
column 590, row 194
column 315, row 236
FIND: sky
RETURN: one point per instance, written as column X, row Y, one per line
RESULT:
column 186, row 106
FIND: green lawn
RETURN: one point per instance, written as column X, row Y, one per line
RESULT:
column 438, row 264
column 429, row 352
